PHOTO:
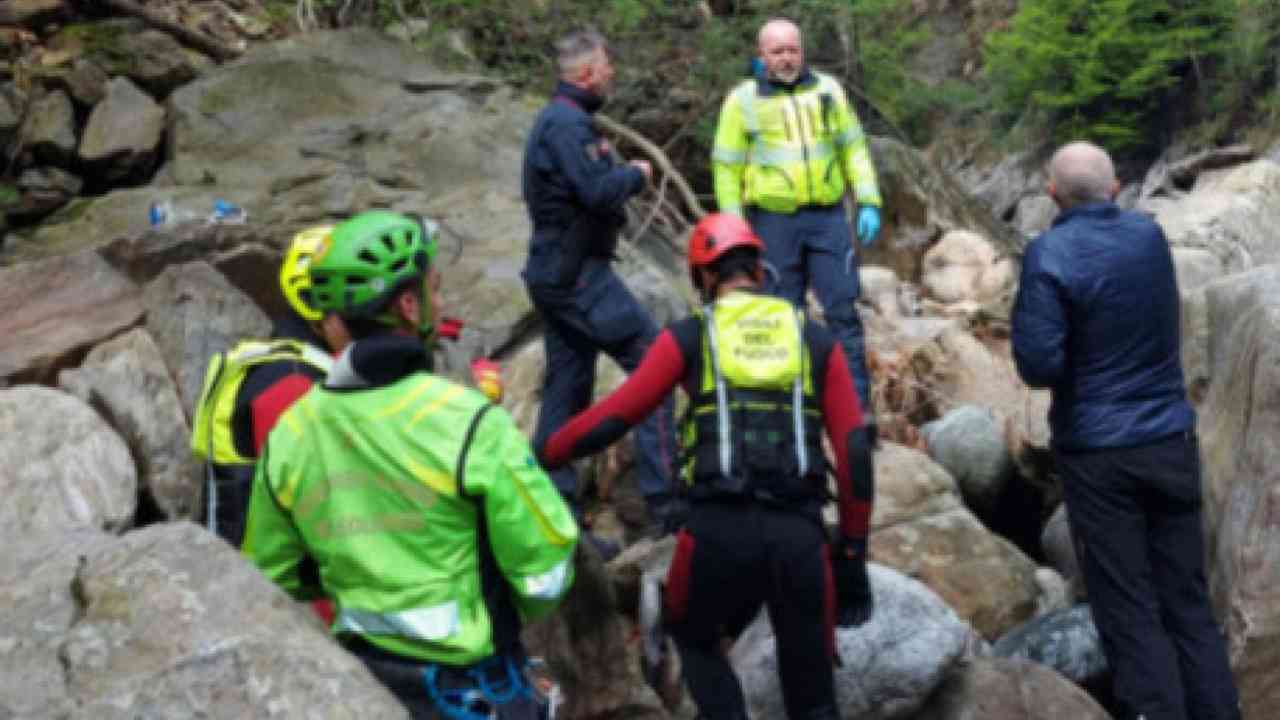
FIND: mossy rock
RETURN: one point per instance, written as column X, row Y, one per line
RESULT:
column 105, row 43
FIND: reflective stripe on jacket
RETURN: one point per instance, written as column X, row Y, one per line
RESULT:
column 780, row 149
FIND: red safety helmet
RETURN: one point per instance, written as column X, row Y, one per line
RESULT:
column 715, row 235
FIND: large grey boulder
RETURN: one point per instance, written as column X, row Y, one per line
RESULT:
column 194, row 312
column 123, row 133
column 963, row 266
column 959, row 369
column 63, row 466
column 49, row 130
column 1035, row 214
column 1239, row 421
column 920, row 527
column 889, row 665
column 174, row 623
column 126, row 47
column 1002, row 185
column 999, row 689
column 37, row 576
column 1197, row 268
column 127, row 381
column 86, row 82
column 1059, row 548
column 970, row 445
column 1231, row 214
column 1065, row 640
column 369, row 123
column 57, row 308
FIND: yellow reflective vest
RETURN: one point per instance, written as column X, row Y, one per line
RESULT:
column 212, row 437
column 779, row 149
column 754, row 426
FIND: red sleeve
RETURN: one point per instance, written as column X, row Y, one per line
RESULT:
column 843, row 414
column 271, row 404
column 600, row 425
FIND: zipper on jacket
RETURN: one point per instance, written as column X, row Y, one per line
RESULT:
column 786, row 125
column 804, row 148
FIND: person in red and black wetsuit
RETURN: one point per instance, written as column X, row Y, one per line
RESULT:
column 764, row 384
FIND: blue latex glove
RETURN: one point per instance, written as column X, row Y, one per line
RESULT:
column 868, row 224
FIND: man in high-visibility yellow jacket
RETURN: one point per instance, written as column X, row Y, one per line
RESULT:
column 787, row 148
column 418, row 503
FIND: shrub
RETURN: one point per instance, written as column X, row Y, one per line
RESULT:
column 1104, row 69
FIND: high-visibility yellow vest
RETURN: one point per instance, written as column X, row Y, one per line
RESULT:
column 753, row 426
column 784, row 149
column 212, row 438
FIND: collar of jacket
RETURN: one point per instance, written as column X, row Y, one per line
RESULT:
column 766, row 86
column 293, row 327
column 588, row 101
column 377, row 361
column 1094, row 209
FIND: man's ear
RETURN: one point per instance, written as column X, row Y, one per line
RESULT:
column 407, row 307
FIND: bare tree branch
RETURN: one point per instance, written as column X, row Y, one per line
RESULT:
column 659, row 158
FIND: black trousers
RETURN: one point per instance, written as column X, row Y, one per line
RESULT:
column 234, row 487
column 1137, row 513
column 730, row 560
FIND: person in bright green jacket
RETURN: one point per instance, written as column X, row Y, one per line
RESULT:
column 787, row 148
column 409, row 499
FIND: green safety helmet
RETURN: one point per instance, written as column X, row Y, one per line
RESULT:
column 367, row 259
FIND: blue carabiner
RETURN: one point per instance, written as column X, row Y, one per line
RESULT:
column 457, row 704
column 508, row 686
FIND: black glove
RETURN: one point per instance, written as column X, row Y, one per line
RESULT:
column 669, row 513
column 854, row 602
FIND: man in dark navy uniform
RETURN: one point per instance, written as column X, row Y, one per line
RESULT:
column 575, row 192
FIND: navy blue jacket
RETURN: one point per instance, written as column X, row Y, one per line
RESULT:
column 1097, row 322
column 573, row 189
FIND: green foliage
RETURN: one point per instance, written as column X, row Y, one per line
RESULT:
column 1103, row 69
column 9, row 194
column 1249, row 69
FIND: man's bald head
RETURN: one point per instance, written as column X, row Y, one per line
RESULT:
column 781, row 49
column 1081, row 173
column 780, row 28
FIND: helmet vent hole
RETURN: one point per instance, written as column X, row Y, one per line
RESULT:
column 368, row 257
column 389, row 242
column 398, row 265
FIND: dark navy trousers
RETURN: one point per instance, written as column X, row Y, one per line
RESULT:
column 598, row 313
column 1136, row 511
column 812, row 247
